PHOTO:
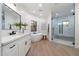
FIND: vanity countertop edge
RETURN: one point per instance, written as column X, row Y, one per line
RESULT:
column 8, row 39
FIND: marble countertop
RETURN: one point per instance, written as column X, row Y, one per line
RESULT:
column 7, row 39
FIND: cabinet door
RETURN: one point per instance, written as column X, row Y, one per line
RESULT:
column 21, row 43
column 10, row 49
column 27, row 43
column 24, row 45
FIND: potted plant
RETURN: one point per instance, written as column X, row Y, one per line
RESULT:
column 24, row 25
column 18, row 25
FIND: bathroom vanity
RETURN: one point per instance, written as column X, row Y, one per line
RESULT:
column 16, row 45
column 12, row 43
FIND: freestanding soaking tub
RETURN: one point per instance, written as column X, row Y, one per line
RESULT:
column 35, row 37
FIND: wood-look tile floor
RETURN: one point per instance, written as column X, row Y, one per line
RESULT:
column 46, row 48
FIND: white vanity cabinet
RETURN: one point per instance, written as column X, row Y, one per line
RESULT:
column 18, row 47
column 21, row 44
column 24, row 45
column 27, row 43
column 10, row 49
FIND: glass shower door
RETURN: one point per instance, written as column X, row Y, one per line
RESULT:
column 64, row 29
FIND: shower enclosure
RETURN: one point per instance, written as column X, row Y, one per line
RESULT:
column 63, row 28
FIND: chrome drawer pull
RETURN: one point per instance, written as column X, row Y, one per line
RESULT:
column 12, row 46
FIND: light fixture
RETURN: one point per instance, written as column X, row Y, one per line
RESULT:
column 40, row 5
column 65, row 23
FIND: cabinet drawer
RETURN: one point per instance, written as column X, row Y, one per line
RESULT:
column 10, row 49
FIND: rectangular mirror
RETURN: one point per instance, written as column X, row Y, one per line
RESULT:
column 33, row 26
column 10, row 19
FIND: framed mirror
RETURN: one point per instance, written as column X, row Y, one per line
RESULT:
column 10, row 19
column 33, row 26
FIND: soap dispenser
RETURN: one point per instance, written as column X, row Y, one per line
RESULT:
column 10, row 27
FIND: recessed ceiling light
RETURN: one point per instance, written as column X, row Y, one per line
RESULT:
column 40, row 5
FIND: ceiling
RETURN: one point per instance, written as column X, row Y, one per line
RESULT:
column 56, row 9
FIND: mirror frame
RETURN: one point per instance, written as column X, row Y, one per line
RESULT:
column 3, row 18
